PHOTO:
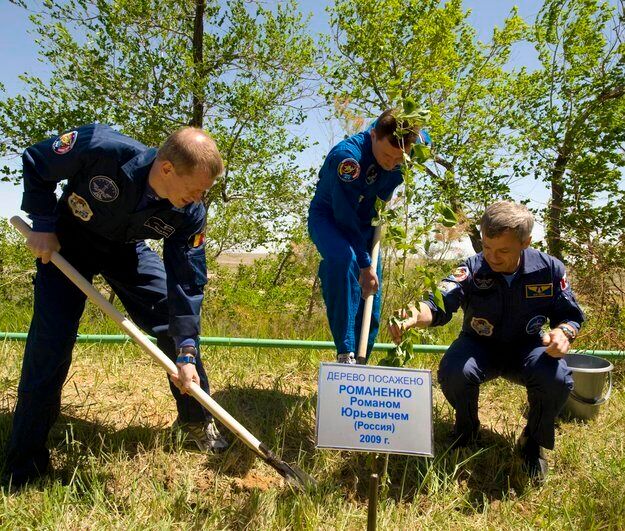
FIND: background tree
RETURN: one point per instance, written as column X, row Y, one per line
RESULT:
column 149, row 66
column 393, row 49
column 570, row 119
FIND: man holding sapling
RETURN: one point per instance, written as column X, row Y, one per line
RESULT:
column 508, row 292
column 356, row 172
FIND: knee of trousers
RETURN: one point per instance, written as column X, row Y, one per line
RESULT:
column 455, row 376
column 556, row 385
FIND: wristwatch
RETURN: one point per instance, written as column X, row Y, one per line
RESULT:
column 568, row 332
column 186, row 355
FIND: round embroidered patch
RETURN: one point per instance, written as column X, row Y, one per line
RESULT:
column 349, row 170
column 65, row 143
column 535, row 324
column 103, row 188
column 80, row 208
column 482, row 326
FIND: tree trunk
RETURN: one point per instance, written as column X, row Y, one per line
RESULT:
column 476, row 238
column 198, row 63
column 554, row 212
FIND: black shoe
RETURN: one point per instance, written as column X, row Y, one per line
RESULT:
column 534, row 460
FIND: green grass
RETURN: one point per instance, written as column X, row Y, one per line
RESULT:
column 115, row 466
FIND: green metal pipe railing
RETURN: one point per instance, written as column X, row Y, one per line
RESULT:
column 281, row 343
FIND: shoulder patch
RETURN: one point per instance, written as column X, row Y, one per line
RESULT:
column 79, row 207
column 349, row 170
column 195, row 240
column 564, row 283
column 446, row 285
column 461, row 273
column 64, row 143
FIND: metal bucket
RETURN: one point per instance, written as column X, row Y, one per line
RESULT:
column 589, row 375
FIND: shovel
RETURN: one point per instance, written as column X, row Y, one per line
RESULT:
column 361, row 358
column 293, row 474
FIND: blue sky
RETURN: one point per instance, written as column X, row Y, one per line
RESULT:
column 18, row 54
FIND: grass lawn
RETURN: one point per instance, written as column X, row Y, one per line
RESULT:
column 116, row 466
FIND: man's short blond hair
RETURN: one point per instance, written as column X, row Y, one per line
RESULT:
column 190, row 149
column 506, row 216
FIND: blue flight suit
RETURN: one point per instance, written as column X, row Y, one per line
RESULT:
column 339, row 224
column 501, row 336
column 105, row 213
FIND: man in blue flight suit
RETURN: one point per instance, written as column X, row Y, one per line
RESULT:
column 118, row 193
column 357, row 170
column 508, row 292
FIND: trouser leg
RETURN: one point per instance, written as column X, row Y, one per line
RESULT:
column 138, row 278
column 548, row 382
column 58, row 305
column 465, row 366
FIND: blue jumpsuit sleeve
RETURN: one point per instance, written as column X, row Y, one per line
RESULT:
column 47, row 163
column 454, row 290
column 565, row 308
column 184, row 257
column 345, row 199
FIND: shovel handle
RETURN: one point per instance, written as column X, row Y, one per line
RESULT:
column 157, row 354
column 361, row 358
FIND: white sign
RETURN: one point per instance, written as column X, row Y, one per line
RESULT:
column 375, row 409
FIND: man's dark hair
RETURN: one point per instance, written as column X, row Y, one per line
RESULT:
column 386, row 125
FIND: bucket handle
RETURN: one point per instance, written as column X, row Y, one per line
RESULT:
column 593, row 401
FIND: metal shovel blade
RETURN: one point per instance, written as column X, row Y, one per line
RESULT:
column 293, row 474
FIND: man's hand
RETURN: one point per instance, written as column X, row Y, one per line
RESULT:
column 368, row 281
column 556, row 342
column 187, row 373
column 43, row 244
column 401, row 321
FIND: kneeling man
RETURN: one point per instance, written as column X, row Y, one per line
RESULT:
column 508, row 292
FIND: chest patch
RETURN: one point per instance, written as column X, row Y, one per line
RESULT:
column 103, row 188
column 159, row 226
column 535, row 324
column 482, row 326
column 483, row 283
column 349, row 170
column 65, row 143
column 79, row 207
column 372, row 174
column 538, row 291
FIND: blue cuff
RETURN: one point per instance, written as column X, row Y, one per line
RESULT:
column 43, row 223
column 182, row 341
column 574, row 324
column 363, row 259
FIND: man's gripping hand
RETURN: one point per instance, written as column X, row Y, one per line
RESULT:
column 368, row 281
column 556, row 342
column 187, row 373
column 43, row 244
